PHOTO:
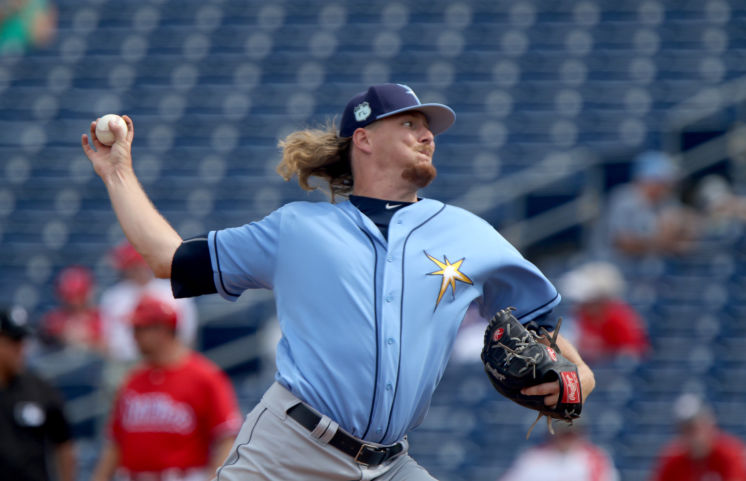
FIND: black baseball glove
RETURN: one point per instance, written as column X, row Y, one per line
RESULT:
column 514, row 359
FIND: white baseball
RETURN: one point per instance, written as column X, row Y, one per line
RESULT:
column 103, row 134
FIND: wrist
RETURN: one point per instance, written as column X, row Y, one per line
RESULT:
column 587, row 380
column 119, row 175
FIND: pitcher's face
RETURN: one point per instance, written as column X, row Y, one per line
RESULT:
column 405, row 143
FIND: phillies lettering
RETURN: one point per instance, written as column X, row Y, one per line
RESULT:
column 156, row 412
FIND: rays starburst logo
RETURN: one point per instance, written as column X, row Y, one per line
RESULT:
column 450, row 273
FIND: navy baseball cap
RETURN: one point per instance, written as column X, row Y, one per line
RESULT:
column 14, row 323
column 385, row 100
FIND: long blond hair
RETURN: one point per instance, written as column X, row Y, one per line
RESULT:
column 320, row 153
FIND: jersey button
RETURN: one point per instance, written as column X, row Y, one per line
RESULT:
column 379, row 430
column 389, row 387
column 390, row 341
column 389, row 259
column 388, row 299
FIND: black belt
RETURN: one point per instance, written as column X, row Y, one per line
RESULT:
column 362, row 453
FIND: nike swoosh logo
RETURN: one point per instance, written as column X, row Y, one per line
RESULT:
column 390, row 206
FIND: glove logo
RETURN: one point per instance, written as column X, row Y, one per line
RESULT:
column 552, row 354
column 571, row 384
column 498, row 334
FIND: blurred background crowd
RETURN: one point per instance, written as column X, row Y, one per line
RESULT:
column 604, row 139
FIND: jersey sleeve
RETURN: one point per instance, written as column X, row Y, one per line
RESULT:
column 516, row 282
column 244, row 257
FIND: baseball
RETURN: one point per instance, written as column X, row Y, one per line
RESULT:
column 103, row 134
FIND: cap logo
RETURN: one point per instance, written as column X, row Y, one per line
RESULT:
column 408, row 90
column 29, row 414
column 362, row 111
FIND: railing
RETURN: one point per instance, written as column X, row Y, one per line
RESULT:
column 587, row 206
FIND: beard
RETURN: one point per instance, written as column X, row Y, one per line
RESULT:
column 420, row 174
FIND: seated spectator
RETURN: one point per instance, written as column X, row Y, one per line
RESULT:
column 26, row 24
column 35, row 436
column 606, row 326
column 701, row 451
column 719, row 206
column 76, row 321
column 644, row 216
column 566, row 455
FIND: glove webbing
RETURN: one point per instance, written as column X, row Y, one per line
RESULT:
column 511, row 353
column 522, row 344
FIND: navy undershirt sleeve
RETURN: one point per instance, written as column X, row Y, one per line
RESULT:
column 542, row 321
column 191, row 269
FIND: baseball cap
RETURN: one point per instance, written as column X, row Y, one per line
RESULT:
column 690, row 407
column 125, row 256
column 14, row 323
column 592, row 281
column 384, row 100
column 151, row 311
column 74, row 284
column 655, row 166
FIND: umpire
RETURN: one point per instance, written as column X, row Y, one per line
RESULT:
column 370, row 290
column 32, row 422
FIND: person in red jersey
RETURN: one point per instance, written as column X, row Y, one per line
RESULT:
column 76, row 322
column 701, row 451
column 607, row 325
column 176, row 415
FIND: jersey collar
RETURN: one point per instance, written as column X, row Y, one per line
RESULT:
column 413, row 215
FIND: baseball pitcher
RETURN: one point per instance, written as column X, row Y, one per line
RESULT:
column 370, row 289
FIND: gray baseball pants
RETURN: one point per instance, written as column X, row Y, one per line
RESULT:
column 273, row 447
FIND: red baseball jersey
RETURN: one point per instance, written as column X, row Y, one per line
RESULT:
column 726, row 461
column 81, row 328
column 168, row 417
column 613, row 328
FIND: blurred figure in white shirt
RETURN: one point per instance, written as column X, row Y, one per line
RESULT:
column 117, row 303
column 566, row 456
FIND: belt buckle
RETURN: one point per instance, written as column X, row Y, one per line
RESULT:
column 360, row 451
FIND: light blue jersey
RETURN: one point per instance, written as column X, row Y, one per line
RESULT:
column 367, row 324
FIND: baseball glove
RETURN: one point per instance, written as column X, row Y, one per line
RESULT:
column 514, row 359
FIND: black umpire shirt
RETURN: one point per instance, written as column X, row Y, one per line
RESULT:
column 31, row 422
